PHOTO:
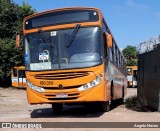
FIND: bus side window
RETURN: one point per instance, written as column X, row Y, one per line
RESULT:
column 111, row 57
column 115, row 55
column 105, row 47
column 14, row 72
column 104, row 29
column 21, row 74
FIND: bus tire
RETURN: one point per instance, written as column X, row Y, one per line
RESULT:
column 122, row 99
column 105, row 106
column 111, row 95
column 102, row 106
column 57, row 108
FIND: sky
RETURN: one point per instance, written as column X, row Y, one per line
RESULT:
column 130, row 21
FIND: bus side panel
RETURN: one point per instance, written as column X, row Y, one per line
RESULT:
column 118, row 82
column 14, row 81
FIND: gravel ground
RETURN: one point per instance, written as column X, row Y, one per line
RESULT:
column 15, row 108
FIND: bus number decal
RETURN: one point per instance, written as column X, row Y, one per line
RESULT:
column 46, row 82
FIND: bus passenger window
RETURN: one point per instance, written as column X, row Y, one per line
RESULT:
column 21, row 74
column 111, row 57
column 105, row 47
column 14, row 72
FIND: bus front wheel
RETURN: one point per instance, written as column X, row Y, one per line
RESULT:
column 57, row 107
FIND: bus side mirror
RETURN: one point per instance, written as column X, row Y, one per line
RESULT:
column 18, row 40
column 108, row 40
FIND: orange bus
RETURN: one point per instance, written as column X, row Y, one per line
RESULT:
column 18, row 77
column 132, row 72
column 71, row 57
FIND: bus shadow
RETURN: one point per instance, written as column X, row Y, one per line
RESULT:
column 78, row 111
column 115, row 104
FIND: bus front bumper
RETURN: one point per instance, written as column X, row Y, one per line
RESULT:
column 97, row 93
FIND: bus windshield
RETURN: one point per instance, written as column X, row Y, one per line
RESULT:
column 85, row 50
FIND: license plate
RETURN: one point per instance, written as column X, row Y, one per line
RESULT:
column 61, row 95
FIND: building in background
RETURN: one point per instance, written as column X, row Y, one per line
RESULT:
column 148, row 91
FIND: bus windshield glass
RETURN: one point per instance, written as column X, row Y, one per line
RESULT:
column 85, row 50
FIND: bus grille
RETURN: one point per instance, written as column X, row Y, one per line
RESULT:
column 60, row 76
column 64, row 88
column 71, row 96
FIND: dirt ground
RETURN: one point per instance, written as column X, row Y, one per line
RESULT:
column 15, row 108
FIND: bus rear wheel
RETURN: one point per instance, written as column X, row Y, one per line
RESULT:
column 104, row 106
column 57, row 107
column 122, row 99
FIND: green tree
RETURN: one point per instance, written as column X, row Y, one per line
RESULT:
column 22, row 12
column 8, row 18
column 8, row 57
column 130, row 53
column 11, row 19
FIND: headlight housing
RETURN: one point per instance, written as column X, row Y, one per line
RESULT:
column 35, row 88
column 91, row 84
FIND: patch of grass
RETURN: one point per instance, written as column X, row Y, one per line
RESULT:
column 131, row 102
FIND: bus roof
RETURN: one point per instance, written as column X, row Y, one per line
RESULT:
column 19, row 67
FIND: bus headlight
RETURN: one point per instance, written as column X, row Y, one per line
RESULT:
column 91, row 84
column 35, row 88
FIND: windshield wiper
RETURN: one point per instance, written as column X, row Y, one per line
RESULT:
column 43, row 35
column 73, row 35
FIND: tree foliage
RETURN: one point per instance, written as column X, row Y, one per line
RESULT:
column 11, row 19
column 130, row 53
